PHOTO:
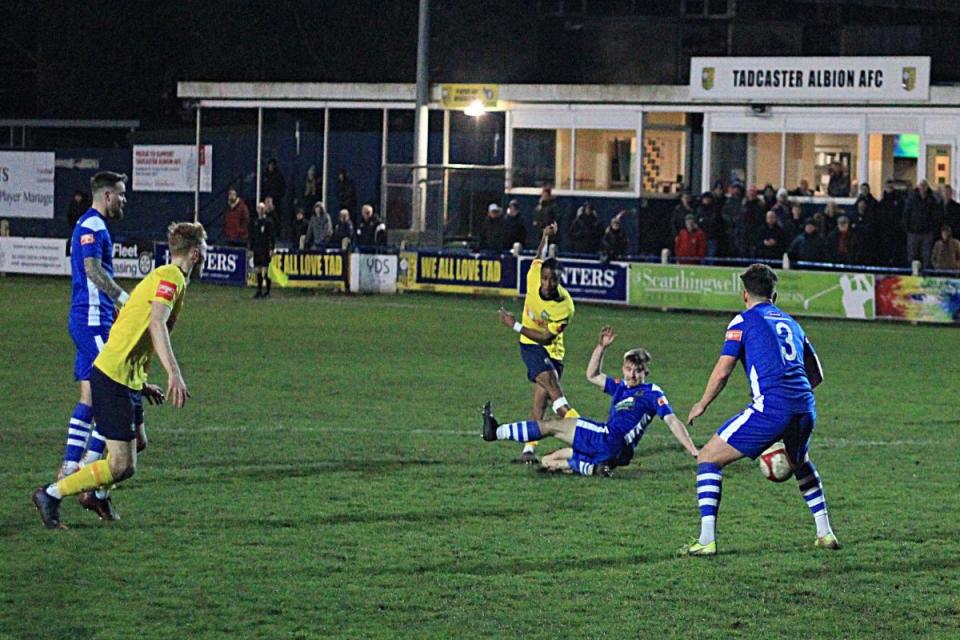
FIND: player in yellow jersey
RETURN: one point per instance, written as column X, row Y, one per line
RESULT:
column 547, row 310
column 120, row 371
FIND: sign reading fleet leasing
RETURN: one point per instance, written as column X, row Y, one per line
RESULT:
column 888, row 79
column 26, row 184
column 171, row 167
column 461, row 96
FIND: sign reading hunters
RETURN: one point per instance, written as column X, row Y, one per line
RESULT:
column 586, row 279
column 225, row 265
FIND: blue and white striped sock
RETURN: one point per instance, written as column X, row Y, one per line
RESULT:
column 709, row 480
column 523, row 431
column 96, row 445
column 77, row 433
column 812, row 490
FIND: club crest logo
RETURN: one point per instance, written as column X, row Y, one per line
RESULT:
column 706, row 78
column 908, row 78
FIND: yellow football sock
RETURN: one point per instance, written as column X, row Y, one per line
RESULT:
column 88, row 477
column 572, row 413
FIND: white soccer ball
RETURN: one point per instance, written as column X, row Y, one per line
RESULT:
column 774, row 463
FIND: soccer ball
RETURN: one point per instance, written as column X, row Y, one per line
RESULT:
column 774, row 463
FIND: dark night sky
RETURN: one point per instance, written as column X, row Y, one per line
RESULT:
column 122, row 59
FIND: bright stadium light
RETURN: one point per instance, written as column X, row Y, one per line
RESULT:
column 476, row 108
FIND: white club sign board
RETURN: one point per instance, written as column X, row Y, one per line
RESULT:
column 817, row 79
column 171, row 167
column 26, row 184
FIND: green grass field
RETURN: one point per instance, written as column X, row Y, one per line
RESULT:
column 328, row 480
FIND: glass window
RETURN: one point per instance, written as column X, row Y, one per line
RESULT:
column 892, row 156
column 826, row 161
column 728, row 157
column 605, row 160
column 664, row 160
column 763, row 159
column 541, row 157
column 938, row 164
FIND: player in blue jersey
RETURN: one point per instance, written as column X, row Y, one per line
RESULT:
column 96, row 299
column 597, row 446
column 783, row 370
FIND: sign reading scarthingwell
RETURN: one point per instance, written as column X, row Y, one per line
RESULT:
column 809, row 293
column 26, row 184
column 171, row 167
column 823, row 79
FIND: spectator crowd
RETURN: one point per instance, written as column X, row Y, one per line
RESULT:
column 735, row 221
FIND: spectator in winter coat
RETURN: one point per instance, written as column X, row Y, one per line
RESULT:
column 690, row 245
column 946, row 251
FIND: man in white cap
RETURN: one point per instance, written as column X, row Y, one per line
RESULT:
column 492, row 237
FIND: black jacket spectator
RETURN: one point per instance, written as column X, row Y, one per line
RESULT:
column 79, row 204
column 808, row 246
column 680, row 212
column 369, row 232
column 771, row 243
column 346, row 193
column 274, row 185
column 514, row 230
column 343, row 229
column 842, row 244
column 492, row 233
column 889, row 234
column 547, row 211
column 586, row 232
column 615, row 241
column 921, row 213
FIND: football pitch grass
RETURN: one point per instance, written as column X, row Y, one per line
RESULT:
column 328, row 479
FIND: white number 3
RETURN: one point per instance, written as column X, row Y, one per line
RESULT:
column 788, row 349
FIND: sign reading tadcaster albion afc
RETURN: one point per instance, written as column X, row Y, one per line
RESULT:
column 823, row 79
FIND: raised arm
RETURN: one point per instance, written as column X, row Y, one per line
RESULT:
column 548, row 231
column 160, row 337
column 102, row 280
column 716, row 383
column 679, row 431
column 595, row 366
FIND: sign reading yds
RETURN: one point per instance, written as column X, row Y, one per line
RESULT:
column 892, row 79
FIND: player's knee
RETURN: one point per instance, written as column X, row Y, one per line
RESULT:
column 122, row 469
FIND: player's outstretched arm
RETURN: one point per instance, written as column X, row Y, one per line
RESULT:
column 160, row 337
column 102, row 280
column 812, row 364
column 680, row 432
column 510, row 320
column 718, row 380
column 548, row 231
column 595, row 366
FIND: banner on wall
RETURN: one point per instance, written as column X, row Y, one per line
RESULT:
column 26, row 184
column 460, row 273
column 461, row 96
column 306, row 269
column 373, row 273
column 587, row 279
column 171, row 167
column 130, row 262
column 819, row 79
column 224, row 265
column 919, row 299
column 809, row 293
column 39, row 256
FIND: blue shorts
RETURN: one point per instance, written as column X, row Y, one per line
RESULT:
column 115, row 407
column 593, row 444
column 750, row 432
column 89, row 341
column 538, row 360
